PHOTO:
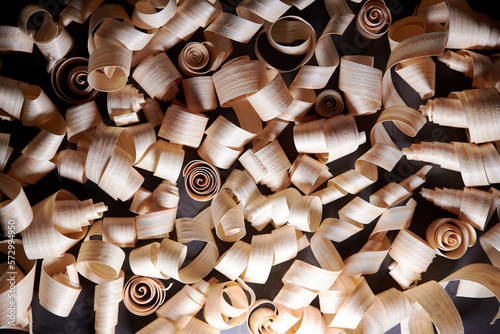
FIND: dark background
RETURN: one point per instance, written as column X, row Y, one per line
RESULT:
column 30, row 68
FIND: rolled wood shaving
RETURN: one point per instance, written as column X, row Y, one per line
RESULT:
column 163, row 159
column 329, row 103
column 181, row 308
column 70, row 80
column 478, row 165
column 201, row 179
column 330, row 138
column 373, row 19
column 158, row 76
column 268, row 166
column 52, row 39
column 281, row 203
column 143, row 261
column 14, row 39
column 473, row 112
column 12, row 97
column 172, row 254
column 227, row 216
column 16, row 208
column 197, row 59
column 23, row 283
column 82, row 121
column 307, row 173
column 143, row 295
column 450, row 237
column 78, row 11
column 146, row 16
column 59, row 285
column 183, row 127
column 120, row 231
column 108, row 296
column 473, row 206
column 152, row 110
column 490, row 242
column 223, row 314
column 100, row 261
column 260, row 259
column 264, row 319
column 408, row 266
column 5, row 150
column 200, row 94
column 189, row 16
column 370, row 100
column 43, row 239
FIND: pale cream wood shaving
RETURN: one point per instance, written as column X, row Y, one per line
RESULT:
column 196, row 326
column 23, row 283
column 201, row 179
column 14, row 39
column 477, row 164
column 123, row 102
column 329, row 139
column 16, row 210
column 143, row 295
column 158, row 76
column 12, row 97
column 238, row 79
column 82, row 121
column 281, row 203
column 122, row 33
column 450, row 237
column 120, row 231
column 223, row 314
column 420, row 74
column 72, row 215
column 490, row 242
column 361, row 84
column 307, row 173
column 107, row 298
column 282, row 34
column 476, row 275
column 159, row 326
column 43, row 239
column 234, row 261
column 260, row 11
column 412, row 256
column 78, row 11
column 164, row 159
column 100, row 261
column 260, row 259
column 5, row 150
column 109, row 68
column 228, row 218
column 270, row 132
column 438, row 305
column 152, row 110
column 143, row 261
column 329, row 103
column 270, row 163
column 59, row 285
column 199, row 93
column 183, row 127
column 248, row 118
column 373, row 19
column 143, row 136
column 146, row 15
column 52, row 39
column 165, row 196
column 306, row 213
column 181, row 308
column 141, row 200
column 190, row 15
column 445, row 111
column 172, row 254
column 472, row 205
column 157, row 224
column 466, row 29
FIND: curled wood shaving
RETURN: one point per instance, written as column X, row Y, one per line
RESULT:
column 201, row 179
column 70, row 80
column 143, row 295
column 373, row 19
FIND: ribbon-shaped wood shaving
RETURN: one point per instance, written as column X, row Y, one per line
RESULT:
column 107, row 298
column 5, row 150
column 124, row 105
column 14, row 39
column 143, row 295
column 470, row 109
column 490, row 241
column 183, row 127
column 23, row 269
column 59, row 285
column 478, row 164
column 202, row 180
column 15, row 212
column 200, row 94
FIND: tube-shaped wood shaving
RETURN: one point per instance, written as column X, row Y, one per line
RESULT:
column 200, row 94
column 107, row 298
column 182, row 127
column 59, row 285
column 490, row 241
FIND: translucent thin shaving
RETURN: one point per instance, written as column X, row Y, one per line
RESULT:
column 43, row 239
column 477, row 164
column 59, row 285
column 23, row 283
column 182, row 127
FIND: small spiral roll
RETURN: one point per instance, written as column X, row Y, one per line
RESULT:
column 69, row 80
column 143, row 295
column 202, row 180
column 329, row 103
column 194, row 59
column 374, row 19
column 450, row 237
